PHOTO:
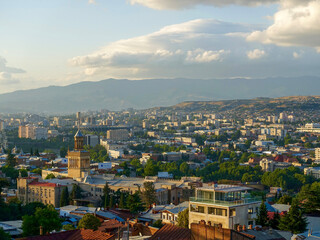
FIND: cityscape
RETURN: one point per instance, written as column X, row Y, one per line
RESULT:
column 159, row 120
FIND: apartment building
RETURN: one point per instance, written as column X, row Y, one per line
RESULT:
column 118, row 134
column 33, row 132
column 226, row 205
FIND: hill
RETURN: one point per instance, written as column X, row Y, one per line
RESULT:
column 122, row 94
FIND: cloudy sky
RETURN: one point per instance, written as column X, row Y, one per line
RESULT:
column 59, row 42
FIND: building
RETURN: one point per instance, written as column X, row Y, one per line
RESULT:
column 315, row 172
column 91, row 140
column 78, row 159
column 31, row 190
column 118, row 134
column 33, row 132
column 269, row 165
column 226, row 205
column 317, row 154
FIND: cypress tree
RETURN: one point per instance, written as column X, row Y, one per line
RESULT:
column 64, row 199
column 294, row 221
column 262, row 218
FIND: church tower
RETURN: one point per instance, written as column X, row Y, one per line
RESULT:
column 78, row 159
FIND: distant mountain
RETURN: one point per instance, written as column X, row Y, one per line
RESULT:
column 122, row 94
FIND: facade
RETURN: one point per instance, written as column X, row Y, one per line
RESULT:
column 225, row 205
column 33, row 132
column 79, row 159
column 317, row 154
column 30, row 190
column 269, row 165
column 315, row 172
column 118, row 134
column 91, row 140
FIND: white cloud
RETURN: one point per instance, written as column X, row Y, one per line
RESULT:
column 6, row 72
column 297, row 55
column 202, row 56
column 202, row 48
column 295, row 24
column 181, row 4
column 256, row 54
column 92, row 2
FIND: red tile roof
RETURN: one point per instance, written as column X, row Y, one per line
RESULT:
column 43, row 184
column 171, row 232
column 110, row 224
column 83, row 234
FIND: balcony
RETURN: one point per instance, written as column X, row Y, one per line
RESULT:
column 226, row 203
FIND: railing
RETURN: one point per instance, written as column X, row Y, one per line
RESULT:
column 226, row 203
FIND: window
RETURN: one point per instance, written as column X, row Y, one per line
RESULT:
column 250, row 210
column 217, row 211
column 232, row 212
column 196, row 208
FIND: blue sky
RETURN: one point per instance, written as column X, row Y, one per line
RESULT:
column 59, row 42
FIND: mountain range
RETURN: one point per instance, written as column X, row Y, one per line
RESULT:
column 113, row 94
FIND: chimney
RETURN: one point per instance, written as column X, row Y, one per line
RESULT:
column 244, row 228
column 41, row 230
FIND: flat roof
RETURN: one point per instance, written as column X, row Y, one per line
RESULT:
column 224, row 188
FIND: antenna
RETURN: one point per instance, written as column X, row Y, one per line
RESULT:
column 78, row 120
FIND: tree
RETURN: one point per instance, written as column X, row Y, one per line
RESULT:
column 68, row 227
column 134, row 203
column 294, row 221
column 149, row 194
column 309, row 196
column 285, row 199
column 111, row 202
column 46, row 217
column 121, row 202
column 4, row 235
column 106, row 193
column 184, row 167
column 75, row 193
column 262, row 216
column 158, row 224
column 36, row 153
column 183, row 218
column 64, row 199
column 50, row 176
column 63, row 152
column 23, row 172
column 3, row 183
column 11, row 161
column 31, row 152
column 37, row 171
column 89, row 222
column 274, row 223
column 30, row 208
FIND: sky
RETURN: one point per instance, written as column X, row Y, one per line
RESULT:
column 60, row 42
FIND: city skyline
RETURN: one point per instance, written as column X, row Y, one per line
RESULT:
column 59, row 43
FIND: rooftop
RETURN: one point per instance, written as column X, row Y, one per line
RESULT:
column 225, row 188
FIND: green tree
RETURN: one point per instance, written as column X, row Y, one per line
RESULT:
column 30, row 208
column 46, row 217
column 274, row 223
column 36, row 153
column 23, row 172
column 262, row 216
column 158, row 224
column 64, row 199
column 3, row 183
column 134, row 203
column 309, row 196
column 89, row 222
column 50, row 176
column 63, row 152
column 149, row 194
column 184, row 168
column 106, row 193
column 31, row 152
column 37, row 171
column 121, row 202
column 68, row 227
column 4, row 235
column 11, row 160
column 75, row 193
column 285, row 199
column 294, row 221
column 183, row 218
